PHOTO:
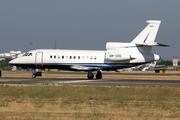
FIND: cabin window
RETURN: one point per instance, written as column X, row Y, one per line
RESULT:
column 87, row 57
column 70, row 57
column 51, row 56
column 54, row 57
column 58, row 56
column 62, row 57
column 95, row 58
column 78, row 57
column 91, row 57
column 74, row 57
column 83, row 57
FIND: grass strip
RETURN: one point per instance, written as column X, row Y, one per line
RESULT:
column 96, row 102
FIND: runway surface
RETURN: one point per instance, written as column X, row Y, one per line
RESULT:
column 122, row 73
column 102, row 82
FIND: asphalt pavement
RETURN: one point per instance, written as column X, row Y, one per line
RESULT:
column 99, row 82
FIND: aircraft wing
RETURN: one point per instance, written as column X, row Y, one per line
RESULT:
column 78, row 67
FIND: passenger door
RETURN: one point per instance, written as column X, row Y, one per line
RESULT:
column 39, row 59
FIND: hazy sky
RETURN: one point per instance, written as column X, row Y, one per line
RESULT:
column 86, row 24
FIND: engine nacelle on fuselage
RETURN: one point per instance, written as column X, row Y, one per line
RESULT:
column 115, row 56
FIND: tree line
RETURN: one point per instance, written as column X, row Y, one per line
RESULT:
column 166, row 62
column 4, row 64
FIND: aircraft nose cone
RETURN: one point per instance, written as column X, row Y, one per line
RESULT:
column 12, row 62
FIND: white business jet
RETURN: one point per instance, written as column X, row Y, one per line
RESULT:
column 116, row 56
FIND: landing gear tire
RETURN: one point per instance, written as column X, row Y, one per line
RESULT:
column 90, row 75
column 33, row 76
column 99, row 75
column 37, row 72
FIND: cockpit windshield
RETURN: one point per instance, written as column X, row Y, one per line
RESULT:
column 27, row 54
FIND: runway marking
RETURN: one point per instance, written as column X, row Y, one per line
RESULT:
column 78, row 81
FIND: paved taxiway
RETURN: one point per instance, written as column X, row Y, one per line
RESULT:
column 105, row 82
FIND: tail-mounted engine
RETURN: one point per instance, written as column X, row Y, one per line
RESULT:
column 115, row 56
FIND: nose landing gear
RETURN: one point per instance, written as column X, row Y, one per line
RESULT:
column 37, row 72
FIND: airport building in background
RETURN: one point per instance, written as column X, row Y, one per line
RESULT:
column 11, row 54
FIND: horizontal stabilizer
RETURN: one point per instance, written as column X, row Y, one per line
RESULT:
column 152, row 44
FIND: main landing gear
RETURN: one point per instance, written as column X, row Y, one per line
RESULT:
column 91, row 76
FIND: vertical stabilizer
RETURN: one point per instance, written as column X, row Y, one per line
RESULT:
column 148, row 35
